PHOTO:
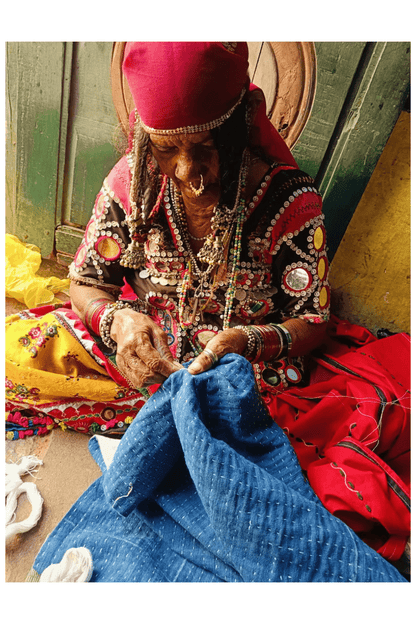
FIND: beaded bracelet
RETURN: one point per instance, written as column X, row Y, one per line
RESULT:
column 107, row 319
column 94, row 312
column 251, row 342
column 259, row 342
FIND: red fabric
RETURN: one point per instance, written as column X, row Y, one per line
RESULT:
column 350, row 428
column 179, row 84
column 176, row 84
column 119, row 180
column 265, row 135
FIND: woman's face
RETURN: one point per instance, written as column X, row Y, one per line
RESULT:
column 184, row 158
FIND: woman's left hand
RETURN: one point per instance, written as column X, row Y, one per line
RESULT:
column 227, row 341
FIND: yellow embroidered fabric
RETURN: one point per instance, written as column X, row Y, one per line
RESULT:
column 51, row 371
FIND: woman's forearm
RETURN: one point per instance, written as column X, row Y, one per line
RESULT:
column 83, row 296
column 305, row 336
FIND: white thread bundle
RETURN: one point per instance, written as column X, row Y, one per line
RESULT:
column 14, row 488
column 75, row 567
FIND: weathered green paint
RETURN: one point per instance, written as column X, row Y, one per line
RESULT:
column 336, row 65
column 93, row 162
column 365, row 126
column 33, row 91
column 41, row 149
column 37, row 184
column 68, row 238
column 63, row 128
column 12, row 81
column 91, row 126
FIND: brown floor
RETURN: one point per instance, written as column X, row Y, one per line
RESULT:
column 67, row 470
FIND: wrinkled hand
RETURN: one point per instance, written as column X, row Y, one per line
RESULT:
column 143, row 355
column 227, row 341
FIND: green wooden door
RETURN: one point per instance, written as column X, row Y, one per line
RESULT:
column 362, row 89
column 61, row 130
column 60, row 141
column 89, row 127
column 33, row 118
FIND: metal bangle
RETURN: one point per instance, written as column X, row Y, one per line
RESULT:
column 91, row 308
column 94, row 313
column 213, row 356
column 273, row 343
column 287, row 338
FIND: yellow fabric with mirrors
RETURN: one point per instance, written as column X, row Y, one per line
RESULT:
column 57, row 375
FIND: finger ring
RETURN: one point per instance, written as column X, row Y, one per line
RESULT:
column 213, row 356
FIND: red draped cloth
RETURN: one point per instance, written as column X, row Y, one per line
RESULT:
column 350, row 428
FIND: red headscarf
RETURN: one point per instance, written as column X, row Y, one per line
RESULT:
column 193, row 86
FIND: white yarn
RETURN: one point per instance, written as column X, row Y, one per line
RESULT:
column 14, row 488
column 75, row 567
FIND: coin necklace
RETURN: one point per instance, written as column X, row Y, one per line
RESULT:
column 213, row 251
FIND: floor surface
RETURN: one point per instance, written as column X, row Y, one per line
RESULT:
column 67, row 471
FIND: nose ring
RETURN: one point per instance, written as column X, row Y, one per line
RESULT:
column 197, row 192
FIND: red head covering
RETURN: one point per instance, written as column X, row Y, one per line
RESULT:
column 182, row 87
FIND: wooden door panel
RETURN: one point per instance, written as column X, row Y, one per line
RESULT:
column 90, row 151
column 262, row 70
column 33, row 89
column 92, row 156
column 91, row 125
column 369, row 115
column 337, row 63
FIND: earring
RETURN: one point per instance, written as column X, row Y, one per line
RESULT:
column 197, row 192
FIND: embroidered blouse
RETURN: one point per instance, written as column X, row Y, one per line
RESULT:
column 283, row 266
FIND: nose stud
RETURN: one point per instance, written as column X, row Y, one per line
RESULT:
column 197, row 192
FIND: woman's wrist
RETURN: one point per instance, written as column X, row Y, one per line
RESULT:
column 269, row 343
column 94, row 312
column 266, row 342
column 107, row 318
column 251, row 341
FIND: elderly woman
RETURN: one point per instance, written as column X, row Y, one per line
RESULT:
column 204, row 240
column 210, row 223
column 217, row 230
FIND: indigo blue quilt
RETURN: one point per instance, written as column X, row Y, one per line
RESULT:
column 205, row 487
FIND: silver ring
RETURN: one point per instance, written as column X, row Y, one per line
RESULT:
column 213, row 356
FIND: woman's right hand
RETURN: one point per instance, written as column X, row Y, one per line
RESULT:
column 143, row 355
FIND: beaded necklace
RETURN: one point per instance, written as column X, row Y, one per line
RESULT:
column 213, row 252
column 193, row 271
column 197, row 238
column 236, row 251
